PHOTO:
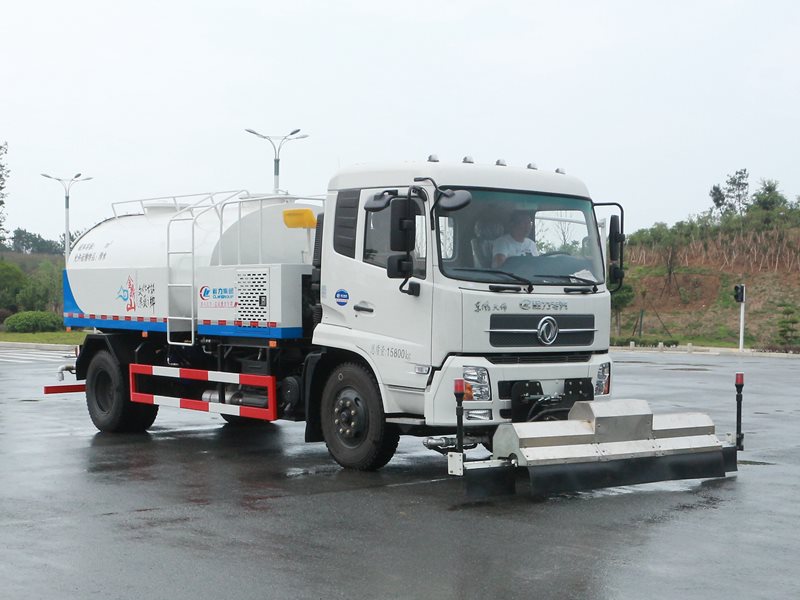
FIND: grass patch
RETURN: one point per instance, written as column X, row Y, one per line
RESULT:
column 725, row 297
column 45, row 337
column 640, row 271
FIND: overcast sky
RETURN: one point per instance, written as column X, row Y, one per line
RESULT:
column 650, row 103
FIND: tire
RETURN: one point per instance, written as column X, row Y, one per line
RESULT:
column 108, row 401
column 353, row 422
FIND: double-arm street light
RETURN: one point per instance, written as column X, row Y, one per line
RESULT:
column 281, row 139
column 66, row 184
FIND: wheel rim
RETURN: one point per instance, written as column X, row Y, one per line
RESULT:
column 103, row 391
column 350, row 418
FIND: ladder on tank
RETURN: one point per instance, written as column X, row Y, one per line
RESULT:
column 181, row 244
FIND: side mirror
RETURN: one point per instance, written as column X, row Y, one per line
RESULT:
column 452, row 200
column 399, row 266
column 403, row 227
column 615, row 239
column 380, row 201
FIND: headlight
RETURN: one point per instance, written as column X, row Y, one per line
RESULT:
column 476, row 384
column 602, row 384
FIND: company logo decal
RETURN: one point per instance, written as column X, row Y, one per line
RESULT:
column 127, row 293
column 547, row 330
column 217, row 297
column 141, row 296
column 543, row 305
column 342, row 297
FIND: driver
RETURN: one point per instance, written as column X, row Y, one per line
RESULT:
column 516, row 242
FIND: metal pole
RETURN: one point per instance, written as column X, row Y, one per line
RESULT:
column 66, row 227
column 277, row 172
column 741, row 327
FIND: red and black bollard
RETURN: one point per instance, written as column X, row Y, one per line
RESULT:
column 458, row 391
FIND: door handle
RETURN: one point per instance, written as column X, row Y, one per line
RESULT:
column 363, row 308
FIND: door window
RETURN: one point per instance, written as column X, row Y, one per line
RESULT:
column 376, row 240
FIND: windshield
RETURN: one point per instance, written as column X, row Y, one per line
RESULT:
column 515, row 237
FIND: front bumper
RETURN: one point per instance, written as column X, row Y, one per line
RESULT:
column 440, row 406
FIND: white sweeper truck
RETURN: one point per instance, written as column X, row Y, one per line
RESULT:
column 468, row 304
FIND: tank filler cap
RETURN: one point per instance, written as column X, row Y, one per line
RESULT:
column 433, row 158
column 500, row 162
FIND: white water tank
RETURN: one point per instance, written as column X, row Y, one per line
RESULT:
column 118, row 272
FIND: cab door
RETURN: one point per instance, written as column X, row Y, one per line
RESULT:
column 391, row 327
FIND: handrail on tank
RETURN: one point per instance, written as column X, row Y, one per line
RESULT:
column 219, row 209
column 174, row 200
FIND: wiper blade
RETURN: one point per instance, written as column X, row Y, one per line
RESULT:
column 513, row 276
column 572, row 278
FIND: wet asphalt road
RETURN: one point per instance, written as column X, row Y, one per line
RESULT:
column 198, row 509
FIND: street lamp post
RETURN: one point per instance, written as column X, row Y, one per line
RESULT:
column 67, row 184
column 281, row 139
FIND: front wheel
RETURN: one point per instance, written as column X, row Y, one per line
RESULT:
column 353, row 422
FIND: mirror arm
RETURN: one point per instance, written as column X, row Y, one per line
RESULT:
column 413, row 287
column 439, row 194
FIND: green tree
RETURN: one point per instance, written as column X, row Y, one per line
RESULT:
column 620, row 300
column 26, row 242
column 737, row 191
column 12, row 280
column 42, row 290
column 767, row 197
column 4, row 172
column 718, row 198
column 787, row 325
column 734, row 198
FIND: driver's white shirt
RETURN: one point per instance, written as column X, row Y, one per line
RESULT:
column 508, row 246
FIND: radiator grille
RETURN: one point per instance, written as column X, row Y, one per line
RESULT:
column 542, row 357
column 531, row 323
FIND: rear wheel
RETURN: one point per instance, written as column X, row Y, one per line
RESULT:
column 353, row 422
column 107, row 398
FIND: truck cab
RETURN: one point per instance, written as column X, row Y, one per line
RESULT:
column 506, row 289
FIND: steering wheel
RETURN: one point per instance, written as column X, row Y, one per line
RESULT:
column 557, row 253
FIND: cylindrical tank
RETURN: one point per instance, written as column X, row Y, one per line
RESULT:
column 142, row 268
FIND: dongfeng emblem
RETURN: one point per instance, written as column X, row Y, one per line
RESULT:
column 547, row 330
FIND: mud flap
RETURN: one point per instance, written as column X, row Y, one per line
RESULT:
column 555, row 478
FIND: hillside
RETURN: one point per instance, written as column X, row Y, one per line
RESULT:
column 686, row 289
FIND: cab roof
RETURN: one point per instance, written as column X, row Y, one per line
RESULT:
column 402, row 174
